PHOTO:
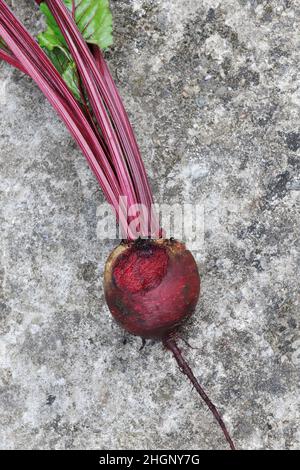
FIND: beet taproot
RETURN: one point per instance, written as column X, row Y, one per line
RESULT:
column 151, row 286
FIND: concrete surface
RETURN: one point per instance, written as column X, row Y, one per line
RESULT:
column 211, row 86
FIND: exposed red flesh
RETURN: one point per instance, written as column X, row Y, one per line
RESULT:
column 141, row 270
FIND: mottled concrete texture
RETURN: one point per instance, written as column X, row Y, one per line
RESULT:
column 212, row 88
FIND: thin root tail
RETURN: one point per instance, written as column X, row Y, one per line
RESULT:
column 171, row 345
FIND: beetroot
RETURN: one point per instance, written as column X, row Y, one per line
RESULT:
column 151, row 287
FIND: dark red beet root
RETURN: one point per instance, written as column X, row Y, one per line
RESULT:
column 151, row 286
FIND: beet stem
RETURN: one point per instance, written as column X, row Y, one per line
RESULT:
column 171, row 344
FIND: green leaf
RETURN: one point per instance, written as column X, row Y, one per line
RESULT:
column 3, row 44
column 93, row 18
column 66, row 67
column 52, row 37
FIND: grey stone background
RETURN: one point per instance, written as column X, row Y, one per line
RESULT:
column 212, row 88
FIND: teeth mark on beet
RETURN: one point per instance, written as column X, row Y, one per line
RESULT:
column 139, row 270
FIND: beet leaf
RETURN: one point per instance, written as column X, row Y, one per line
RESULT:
column 92, row 17
column 66, row 67
column 80, row 87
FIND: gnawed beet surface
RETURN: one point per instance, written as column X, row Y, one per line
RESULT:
column 141, row 269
